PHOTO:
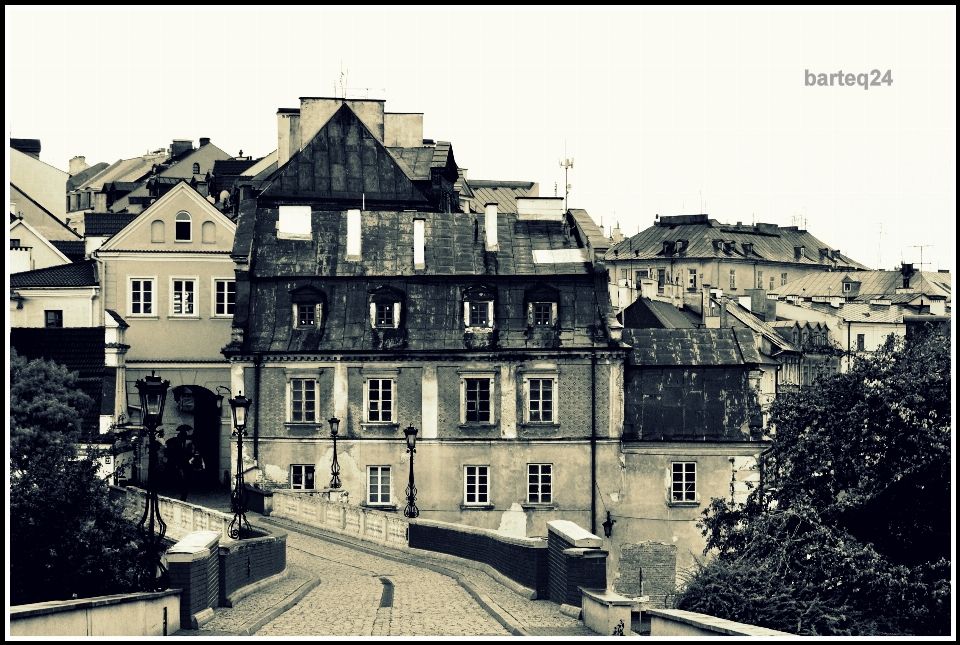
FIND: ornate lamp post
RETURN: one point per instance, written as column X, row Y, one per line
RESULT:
column 239, row 404
column 411, row 510
column 153, row 395
column 335, row 466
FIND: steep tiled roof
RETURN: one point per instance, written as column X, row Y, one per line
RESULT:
column 80, row 349
column 873, row 284
column 769, row 242
column 232, row 167
column 690, row 347
column 122, row 170
column 54, row 219
column 73, row 249
column 761, row 327
column 119, row 320
column 417, row 161
column 85, row 175
column 653, row 314
column 504, row 193
column 105, row 224
column 76, row 274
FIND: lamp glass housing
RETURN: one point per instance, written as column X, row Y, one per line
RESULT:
column 153, row 395
column 239, row 405
column 411, row 434
column 334, row 426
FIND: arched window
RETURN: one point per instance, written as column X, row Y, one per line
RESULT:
column 196, row 169
column 184, row 229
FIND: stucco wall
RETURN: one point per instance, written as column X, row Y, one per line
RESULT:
column 77, row 306
column 46, row 184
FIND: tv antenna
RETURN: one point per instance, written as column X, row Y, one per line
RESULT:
column 921, row 247
column 566, row 163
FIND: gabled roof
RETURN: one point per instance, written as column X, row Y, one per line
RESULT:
column 81, row 350
column 691, row 347
column 75, row 250
column 122, row 170
column 653, row 314
column 764, row 242
column 106, row 224
column 19, row 222
column 760, row 327
column 54, row 220
column 266, row 164
column 75, row 274
column 504, row 193
column 345, row 162
column 83, row 176
column 873, row 284
column 117, row 318
column 232, row 167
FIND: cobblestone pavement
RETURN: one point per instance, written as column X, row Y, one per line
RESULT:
column 334, row 588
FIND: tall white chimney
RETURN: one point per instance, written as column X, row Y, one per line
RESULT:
column 490, row 224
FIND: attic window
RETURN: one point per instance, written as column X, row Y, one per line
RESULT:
column 294, row 223
column 386, row 305
column 747, row 248
column 196, row 169
column 542, row 304
column 184, row 227
column 308, row 305
column 847, row 287
column 478, row 308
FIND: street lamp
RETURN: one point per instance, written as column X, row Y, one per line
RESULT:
column 335, row 466
column 239, row 404
column 153, row 395
column 411, row 510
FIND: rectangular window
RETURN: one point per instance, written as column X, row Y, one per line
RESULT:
column 540, row 400
column 623, row 274
column 861, row 342
column 684, row 485
column 294, row 222
column 691, row 278
column 378, row 486
column 661, row 279
column 759, row 279
column 303, row 400
column 141, row 297
column 384, row 314
column 306, row 315
column 733, row 278
column 380, row 400
column 539, row 483
column 54, row 317
column 643, row 274
column 476, row 484
column 772, row 283
column 302, row 477
column 783, row 279
column 183, row 297
column 479, row 314
column 847, row 287
column 477, row 400
column 225, row 297
column 542, row 314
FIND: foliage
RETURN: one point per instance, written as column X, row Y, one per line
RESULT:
column 852, row 518
column 66, row 537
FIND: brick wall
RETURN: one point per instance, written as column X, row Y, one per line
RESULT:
column 244, row 562
column 658, row 562
column 199, row 581
column 583, row 567
column 526, row 565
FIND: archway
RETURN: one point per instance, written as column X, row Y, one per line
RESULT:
column 198, row 407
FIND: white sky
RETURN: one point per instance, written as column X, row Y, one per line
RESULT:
column 662, row 110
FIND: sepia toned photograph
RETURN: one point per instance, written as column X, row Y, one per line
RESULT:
column 465, row 322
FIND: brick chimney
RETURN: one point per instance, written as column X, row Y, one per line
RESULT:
column 179, row 146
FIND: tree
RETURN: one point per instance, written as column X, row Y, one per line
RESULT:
column 67, row 539
column 851, row 526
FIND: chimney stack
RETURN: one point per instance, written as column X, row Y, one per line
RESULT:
column 490, row 224
column 204, row 141
column 288, row 134
column 78, row 164
column 179, row 146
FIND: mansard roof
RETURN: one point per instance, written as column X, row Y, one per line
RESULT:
column 691, row 347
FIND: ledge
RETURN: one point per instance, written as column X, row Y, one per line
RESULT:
column 476, row 507
column 57, row 606
column 683, row 504
column 713, row 624
column 539, row 507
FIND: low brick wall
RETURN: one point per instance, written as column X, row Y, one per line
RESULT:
column 258, row 500
column 523, row 560
column 676, row 622
column 137, row 614
column 195, row 567
column 575, row 561
column 245, row 562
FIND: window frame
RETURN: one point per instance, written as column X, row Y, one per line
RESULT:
column 303, row 476
column 687, row 495
column 306, row 305
column 759, row 279
column 294, row 216
column 861, row 342
column 480, row 297
column 57, row 316
column 692, row 279
column 733, row 279
column 367, row 400
column 783, row 279
column 369, row 485
column 176, row 227
column 226, row 304
column 465, row 379
column 154, row 295
column 303, row 379
column 539, row 484
column 476, row 485
column 553, row 378
column 195, row 280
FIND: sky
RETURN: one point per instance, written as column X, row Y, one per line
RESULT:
column 662, row 111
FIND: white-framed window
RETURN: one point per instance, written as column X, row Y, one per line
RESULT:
column 759, row 279
column 305, row 314
column 294, row 222
column 183, row 227
column 733, row 278
column 53, row 318
column 302, row 477
column 847, row 287
column 691, row 278
column 772, row 283
column 478, row 308
column 142, row 296
column 379, row 403
column 683, row 483
column 183, row 296
column 476, row 485
column 383, row 314
column 861, row 342
column 379, row 485
column 542, row 313
column 303, row 400
column 224, row 296
column 539, row 483
column 477, row 399
column 783, row 279
column 541, row 400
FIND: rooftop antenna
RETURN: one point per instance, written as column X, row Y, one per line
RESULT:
column 566, row 164
column 879, row 244
column 921, row 247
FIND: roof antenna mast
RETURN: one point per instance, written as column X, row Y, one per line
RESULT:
column 566, row 164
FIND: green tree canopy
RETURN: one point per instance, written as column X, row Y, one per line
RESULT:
column 850, row 529
column 66, row 536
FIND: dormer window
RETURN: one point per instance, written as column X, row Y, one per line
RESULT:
column 747, row 248
column 184, row 228
column 542, row 304
column 542, row 313
column 196, row 169
column 308, row 305
column 847, row 287
column 386, row 305
column 478, row 308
